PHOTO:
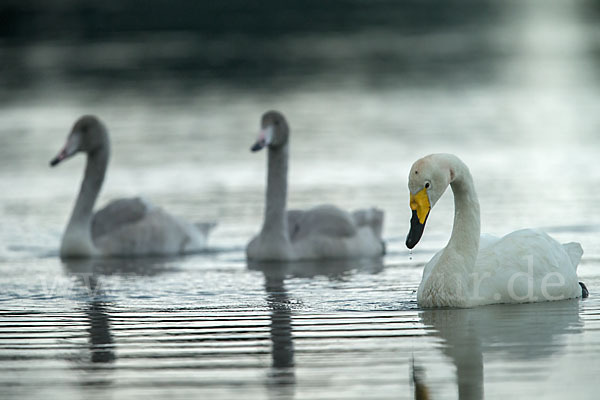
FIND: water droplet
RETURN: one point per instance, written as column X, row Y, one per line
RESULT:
column 410, row 254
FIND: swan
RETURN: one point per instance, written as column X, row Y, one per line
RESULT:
column 521, row 267
column 125, row 227
column 322, row 232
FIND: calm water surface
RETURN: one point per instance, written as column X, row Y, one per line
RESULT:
column 523, row 116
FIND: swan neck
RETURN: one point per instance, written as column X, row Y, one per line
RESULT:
column 275, row 221
column 80, row 222
column 466, row 228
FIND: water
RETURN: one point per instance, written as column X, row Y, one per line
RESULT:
column 515, row 97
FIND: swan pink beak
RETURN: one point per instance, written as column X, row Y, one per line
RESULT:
column 265, row 138
column 67, row 151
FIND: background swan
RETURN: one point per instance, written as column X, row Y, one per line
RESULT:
column 125, row 227
column 523, row 266
column 322, row 232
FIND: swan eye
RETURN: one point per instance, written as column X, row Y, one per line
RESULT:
column 427, row 185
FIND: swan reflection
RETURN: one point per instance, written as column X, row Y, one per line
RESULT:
column 90, row 287
column 281, row 378
column 526, row 332
column 101, row 343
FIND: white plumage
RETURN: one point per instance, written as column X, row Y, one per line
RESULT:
column 523, row 266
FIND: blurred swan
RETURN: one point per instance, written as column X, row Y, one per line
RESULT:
column 523, row 266
column 322, row 232
column 125, row 227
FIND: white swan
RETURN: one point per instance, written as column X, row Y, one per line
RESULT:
column 523, row 266
column 125, row 227
column 322, row 232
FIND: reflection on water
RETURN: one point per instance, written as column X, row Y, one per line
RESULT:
column 332, row 269
column 282, row 378
column 101, row 342
column 530, row 332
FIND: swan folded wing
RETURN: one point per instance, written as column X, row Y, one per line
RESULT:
column 117, row 214
column 519, row 263
column 324, row 220
column 158, row 233
column 524, row 251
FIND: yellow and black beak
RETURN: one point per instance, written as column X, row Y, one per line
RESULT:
column 420, row 206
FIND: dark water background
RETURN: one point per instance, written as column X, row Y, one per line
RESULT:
column 368, row 87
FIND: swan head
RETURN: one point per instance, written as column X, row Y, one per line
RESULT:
column 428, row 179
column 274, row 131
column 87, row 135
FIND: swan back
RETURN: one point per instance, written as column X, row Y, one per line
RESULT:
column 328, row 232
column 118, row 213
column 157, row 233
column 526, row 266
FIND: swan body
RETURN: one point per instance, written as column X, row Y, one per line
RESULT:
column 125, row 227
column 523, row 266
column 155, row 232
column 322, row 232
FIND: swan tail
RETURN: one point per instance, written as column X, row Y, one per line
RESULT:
column 372, row 217
column 205, row 227
column 575, row 251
